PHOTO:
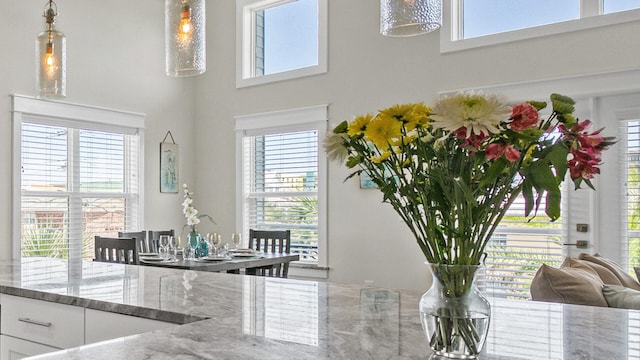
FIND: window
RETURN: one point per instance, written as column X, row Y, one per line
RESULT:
column 284, row 177
column 76, row 178
column 631, row 205
column 517, row 249
column 475, row 23
column 280, row 39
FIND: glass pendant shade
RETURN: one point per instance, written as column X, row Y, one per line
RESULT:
column 185, row 45
column 51, row 59
column 409, row 17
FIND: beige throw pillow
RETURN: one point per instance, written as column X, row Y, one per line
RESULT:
column 621, row 297
column 625, row 279
column 568, row 285
column 606, row 275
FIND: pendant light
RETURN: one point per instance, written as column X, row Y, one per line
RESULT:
column 51, row 57
column 185, row 47
column 409, row 17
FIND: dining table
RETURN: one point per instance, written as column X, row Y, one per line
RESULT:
column 230, row 264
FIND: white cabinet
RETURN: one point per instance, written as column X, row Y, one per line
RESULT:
column 102, row 325
column 31, row 327
column 12, row 348
column 44, row 322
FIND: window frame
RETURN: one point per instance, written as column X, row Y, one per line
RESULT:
column 298, row 119
column 64, row 114
column 245, row 44
column 591, row 17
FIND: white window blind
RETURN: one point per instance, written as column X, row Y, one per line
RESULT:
column 631, row 198
column 77, row 180
column 282, row 187
column 284, row 177
column 517, row 249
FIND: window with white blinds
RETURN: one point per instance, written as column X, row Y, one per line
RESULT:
column 517, row 249
column 282, row 194
column 77, row 180
column 282, row 172
column 631, row 204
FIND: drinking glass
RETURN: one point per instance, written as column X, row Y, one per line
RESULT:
column 173, row 248
column 164, row 246
column 188, row 253
column 235, row 239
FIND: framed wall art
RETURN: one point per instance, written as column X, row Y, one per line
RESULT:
column 169, row 165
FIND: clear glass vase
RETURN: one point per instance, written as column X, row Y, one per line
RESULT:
column 455, row 316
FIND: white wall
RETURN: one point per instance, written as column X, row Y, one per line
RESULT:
column 367, row 71
column 115, row 59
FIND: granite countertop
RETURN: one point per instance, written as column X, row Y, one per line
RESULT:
column 228, row 316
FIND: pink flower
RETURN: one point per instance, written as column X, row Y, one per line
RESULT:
column 474, row 140
column 580, row 139
column 496, row 150
column 584, row 163
column 523, row 116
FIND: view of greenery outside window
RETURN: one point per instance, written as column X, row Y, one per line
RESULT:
column 281, row 181
column 632, row 200
column 75, row 184
column 486, row 17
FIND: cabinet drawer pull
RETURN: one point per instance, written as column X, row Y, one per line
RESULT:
column 35, row 322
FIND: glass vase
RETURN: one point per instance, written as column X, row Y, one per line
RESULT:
column 455, row 316
column 194, row 241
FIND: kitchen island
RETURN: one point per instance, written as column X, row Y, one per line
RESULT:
column 226, row 316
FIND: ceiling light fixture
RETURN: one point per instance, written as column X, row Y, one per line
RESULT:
column 185, row 46
column 51, row 57
column 409, row 17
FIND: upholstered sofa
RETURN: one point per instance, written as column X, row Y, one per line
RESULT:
column 587, row 280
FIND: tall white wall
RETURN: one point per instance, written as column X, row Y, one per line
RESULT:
column 367, row 72
column 115, row 59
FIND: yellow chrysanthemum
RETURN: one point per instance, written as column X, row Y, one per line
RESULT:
column 359, row 125
column 382, row 130
column 477, row 113
column 420, row 115
column 404, row 140
column 406, row 113
column 382, row 157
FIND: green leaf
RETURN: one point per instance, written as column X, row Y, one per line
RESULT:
column 558, row 158
column 539, row 105
column 341, row 128
column 352, row 162
column 553, row 204
column 527, row 193
column 495, row 170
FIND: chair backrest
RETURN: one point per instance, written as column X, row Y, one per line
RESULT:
column 154, row 238
column 270, row 241
column 116, row 250
column 141, row 236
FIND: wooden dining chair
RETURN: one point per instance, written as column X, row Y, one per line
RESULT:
column 154, row 238
column 116, row 250
column 274, row 242
column 141, row 236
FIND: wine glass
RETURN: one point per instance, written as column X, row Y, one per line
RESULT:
column 235, row 239
column 173, row 248
column 215, row 243
column 164, row 246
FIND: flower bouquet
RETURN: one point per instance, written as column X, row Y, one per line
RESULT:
column 451, row 172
